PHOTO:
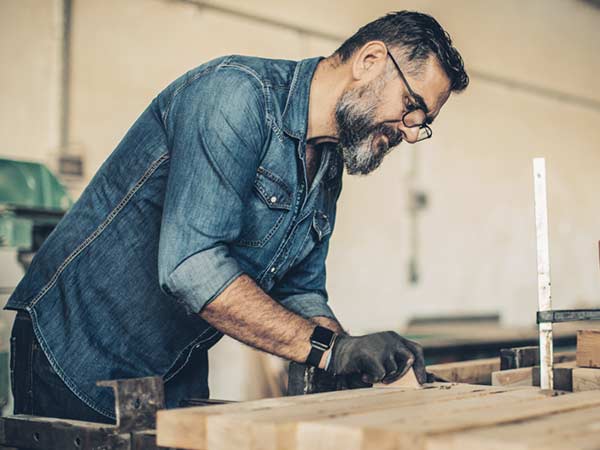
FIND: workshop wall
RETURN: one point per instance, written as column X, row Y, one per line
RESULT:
column 29, row 78
column 534, row 92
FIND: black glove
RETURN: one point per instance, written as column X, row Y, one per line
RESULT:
column 378, row 357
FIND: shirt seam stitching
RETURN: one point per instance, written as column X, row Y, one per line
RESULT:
column 100, row 229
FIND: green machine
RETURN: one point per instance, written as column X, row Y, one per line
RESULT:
column 32, row 202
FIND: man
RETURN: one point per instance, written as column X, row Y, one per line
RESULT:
column 214, row 214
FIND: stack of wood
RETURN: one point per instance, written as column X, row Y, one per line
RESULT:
column 573, row 371
column 586, row 376
column 440, row 416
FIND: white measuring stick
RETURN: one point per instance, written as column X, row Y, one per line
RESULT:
column 543, row 269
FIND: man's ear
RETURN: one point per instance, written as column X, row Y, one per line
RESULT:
column 369, row 61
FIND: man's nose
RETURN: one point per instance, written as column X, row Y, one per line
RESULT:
column 409, row 134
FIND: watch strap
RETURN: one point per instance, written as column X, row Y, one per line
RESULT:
column 314, row 357
column 321, row 340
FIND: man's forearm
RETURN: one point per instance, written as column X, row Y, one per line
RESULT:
column 246, row 313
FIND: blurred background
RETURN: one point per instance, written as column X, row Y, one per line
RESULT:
column 439, row 243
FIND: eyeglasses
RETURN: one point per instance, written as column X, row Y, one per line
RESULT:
column 415, row 116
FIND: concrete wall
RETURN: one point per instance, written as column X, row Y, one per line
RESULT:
column 30, row 39
column 534, row 92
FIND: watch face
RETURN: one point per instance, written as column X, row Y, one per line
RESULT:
column 322, row 335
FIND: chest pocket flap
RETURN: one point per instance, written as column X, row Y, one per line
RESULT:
column 272, row 190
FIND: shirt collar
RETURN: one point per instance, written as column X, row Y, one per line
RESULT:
column 295, row 113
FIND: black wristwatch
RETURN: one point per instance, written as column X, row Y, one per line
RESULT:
column 321, row 340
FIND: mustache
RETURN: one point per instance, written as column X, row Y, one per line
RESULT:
column 393, row 134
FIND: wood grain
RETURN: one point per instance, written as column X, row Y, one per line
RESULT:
column 569, row 430
column 409, row 380
column 513, row 377
column 585, row 379
column 275, row 421
column 588, row 348
column 477, row 371
column 374, row 417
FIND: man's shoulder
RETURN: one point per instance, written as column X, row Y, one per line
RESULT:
column 273, row 72
column 232, row 74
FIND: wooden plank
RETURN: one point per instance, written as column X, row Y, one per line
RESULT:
column 574, row 430
column 530, row 376
column 513, row 377
column 189, row 427
column 477, row 371
column 515, row 358
column 409, row 428
column 585, row 379
column 274, row 430
column 409, row 380
column 588, row 348
column 367, row 419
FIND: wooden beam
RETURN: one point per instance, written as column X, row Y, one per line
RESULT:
column 585, row 379
column 515, row 358
column 513, row 377
column 477, row 371
column 569, row 430
column 409, row 428
column 588, row 348
column 391, row 419
column 409, row 380
column 274, row 421
column 518, row 357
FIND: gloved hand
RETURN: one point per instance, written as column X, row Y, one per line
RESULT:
column 378, row 357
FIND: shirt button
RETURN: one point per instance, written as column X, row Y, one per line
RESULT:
column 273, row 270
column 273, row 199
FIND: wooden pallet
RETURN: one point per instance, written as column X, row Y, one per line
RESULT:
column 440, row 416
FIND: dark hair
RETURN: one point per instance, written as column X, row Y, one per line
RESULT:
column 418, row 36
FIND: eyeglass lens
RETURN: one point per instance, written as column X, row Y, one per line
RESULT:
column 417, row 118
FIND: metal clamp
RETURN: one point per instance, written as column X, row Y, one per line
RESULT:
column 567, row 315
column 136, row 403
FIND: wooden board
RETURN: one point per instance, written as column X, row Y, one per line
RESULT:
column 476, row 371
column 588, row 348
column 516, row 358
column 365, row 419
column 408, row 380
column 513, row 377
column 570, row 430
column 530, row 376
column 585, row 379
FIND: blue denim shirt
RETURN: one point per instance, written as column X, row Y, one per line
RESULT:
column 209, row 183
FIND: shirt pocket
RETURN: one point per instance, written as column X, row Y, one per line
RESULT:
column 266, row 210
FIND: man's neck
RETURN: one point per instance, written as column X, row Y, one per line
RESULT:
column 325, row 89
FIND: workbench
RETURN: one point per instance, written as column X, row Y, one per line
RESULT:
column 439, row 416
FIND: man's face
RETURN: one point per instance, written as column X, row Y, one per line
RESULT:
column 369, row 116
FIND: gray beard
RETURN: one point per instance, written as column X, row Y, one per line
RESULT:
column 357, row 129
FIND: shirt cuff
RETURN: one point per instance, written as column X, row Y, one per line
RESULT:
column 202, row 277
column 308, row 305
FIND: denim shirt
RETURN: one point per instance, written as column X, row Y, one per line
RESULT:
column 209, row 183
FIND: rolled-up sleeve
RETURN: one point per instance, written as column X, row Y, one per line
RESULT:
column 302, row 290
column 215, row 126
